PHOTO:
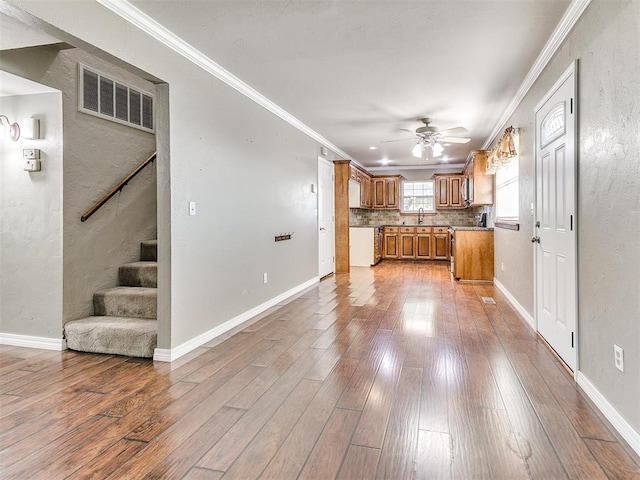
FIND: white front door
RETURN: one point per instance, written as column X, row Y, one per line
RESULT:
column 326, row 235
column 555, row 224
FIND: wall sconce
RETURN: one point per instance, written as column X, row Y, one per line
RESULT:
column 14, row 128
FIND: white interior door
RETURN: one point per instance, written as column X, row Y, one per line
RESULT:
column 555, row 227
column 326, row 219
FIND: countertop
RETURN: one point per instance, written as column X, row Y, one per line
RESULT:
column 472, row 228
column 453, row 227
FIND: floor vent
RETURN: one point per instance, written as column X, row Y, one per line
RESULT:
column 488, row 300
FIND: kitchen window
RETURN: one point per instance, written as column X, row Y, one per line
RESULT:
column 416, row 195
column 507, row 191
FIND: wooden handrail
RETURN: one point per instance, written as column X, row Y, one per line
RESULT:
column 117, row 188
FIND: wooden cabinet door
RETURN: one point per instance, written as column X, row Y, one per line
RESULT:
column 455, row 195
column 440, row 246
column 408, row 246
column 423, row 246
column 442, row 192
column 379, row 190
column 392, row 195
column 390, row 245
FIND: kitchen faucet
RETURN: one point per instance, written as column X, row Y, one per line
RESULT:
column 420, row 215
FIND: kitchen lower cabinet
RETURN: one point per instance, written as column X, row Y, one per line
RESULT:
column 423, row 246
column 391, row 245
column 407, row 242
column 417, row 243
column 441, row 241
column 473, row 255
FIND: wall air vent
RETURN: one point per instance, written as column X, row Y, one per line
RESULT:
column 111, row 99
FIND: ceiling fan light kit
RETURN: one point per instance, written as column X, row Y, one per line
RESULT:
column 429, row 136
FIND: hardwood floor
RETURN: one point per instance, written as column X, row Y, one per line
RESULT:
column 393, row 372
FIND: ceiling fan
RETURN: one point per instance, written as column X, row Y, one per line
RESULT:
column 429, row 136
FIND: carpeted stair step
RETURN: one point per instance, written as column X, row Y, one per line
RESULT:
column 133, row 337
column 149, row 251
column 139, row 274
column 139, row 302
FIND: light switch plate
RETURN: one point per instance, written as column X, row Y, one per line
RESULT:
column 192, row 208
column 32, row 165
column 31, row 153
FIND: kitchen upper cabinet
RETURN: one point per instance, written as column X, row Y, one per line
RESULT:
column 386, row 192
column 448, row 191
column 478, row 185
column 365, row 190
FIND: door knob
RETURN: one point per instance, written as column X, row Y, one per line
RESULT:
column 535, row 239
column 322, row 228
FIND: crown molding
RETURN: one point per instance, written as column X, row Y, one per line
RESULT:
column 141, row 20
column 438, row 166
column 567, row 22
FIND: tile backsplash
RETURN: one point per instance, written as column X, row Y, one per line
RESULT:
column 459, row 218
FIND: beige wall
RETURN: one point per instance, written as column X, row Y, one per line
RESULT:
column 249, row 172
column 606, row 42
column 97, row 154
column 31, row 222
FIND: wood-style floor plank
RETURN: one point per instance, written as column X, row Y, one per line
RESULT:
column 396, row 371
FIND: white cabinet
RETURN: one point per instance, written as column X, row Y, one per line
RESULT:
column 354, row 194
column 362, row 248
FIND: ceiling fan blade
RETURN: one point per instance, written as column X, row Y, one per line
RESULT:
column 400, row 140
column 454, row 131
column 454, row 140
column 406, row 130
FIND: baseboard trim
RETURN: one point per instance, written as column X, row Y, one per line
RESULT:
column 515, row 304
column 27, row 341
column 619, row 423
column 169, row 355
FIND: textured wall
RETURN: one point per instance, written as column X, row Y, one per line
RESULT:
column 97, row 154
column 249, row 172
column 31, row 223
column 606, row 41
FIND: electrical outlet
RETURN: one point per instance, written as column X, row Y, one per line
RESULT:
column 264, row 278
column 618, row 357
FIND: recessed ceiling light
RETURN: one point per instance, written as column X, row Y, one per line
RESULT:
column 373, row 148
column 384, row 161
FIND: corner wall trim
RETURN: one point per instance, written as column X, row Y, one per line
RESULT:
column 27, row 341
column 144, row 22
column 567, row 22
column 169, row 355
column 619, row 423
column 515, row 304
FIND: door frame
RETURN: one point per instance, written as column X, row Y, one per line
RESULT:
column 322, row 160
column 571, row 70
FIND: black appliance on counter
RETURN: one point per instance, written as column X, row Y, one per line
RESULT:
column 481, row 218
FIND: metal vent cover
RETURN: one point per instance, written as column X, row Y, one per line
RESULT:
column 107, row 98
column 488, row 300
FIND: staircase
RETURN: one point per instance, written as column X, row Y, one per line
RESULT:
column 124, row 321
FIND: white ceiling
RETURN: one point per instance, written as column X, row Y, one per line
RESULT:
column 356, row 71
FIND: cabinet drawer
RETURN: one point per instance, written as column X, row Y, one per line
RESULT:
column 407, row 230
column 390, row 229
column 423, row 229
column 440, row 229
